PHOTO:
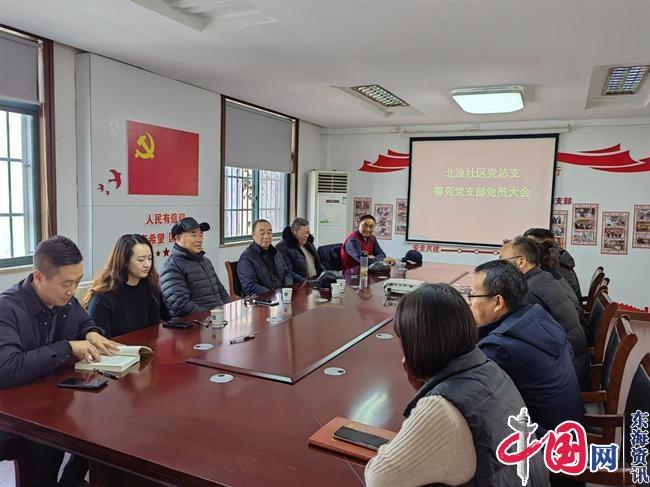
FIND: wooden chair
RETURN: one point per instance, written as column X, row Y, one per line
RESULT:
column 599, row 323
column 233, row 280
column 637, row 399
column 606, row 378
column 594, row 285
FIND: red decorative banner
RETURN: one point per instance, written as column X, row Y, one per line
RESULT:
column 391, row 162
column 610, row 159
column 162, row 161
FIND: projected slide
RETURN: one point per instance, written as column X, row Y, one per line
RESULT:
column 479, row 190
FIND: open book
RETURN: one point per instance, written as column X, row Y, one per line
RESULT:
column 125, row 357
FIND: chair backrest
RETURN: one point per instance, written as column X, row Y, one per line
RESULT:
column 619, row 346
column 637, row 399
column 233, row 279
column 330, row 256
column 594, row 285
column 599, row 323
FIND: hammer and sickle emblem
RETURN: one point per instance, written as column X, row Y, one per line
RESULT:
column 148, row 146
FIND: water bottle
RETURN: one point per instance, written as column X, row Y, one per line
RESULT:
column 363, row 271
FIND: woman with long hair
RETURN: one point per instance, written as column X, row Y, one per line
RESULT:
column 125, row 295
column 459, row 414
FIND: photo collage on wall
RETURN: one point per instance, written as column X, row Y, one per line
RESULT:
column 362, row 206
column 400, row 218
column 614, row 232
column 641, row 238
column 384, row 215
column 585, row 224
column 558, row 226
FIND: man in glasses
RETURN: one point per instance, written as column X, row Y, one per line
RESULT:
column 188, row 281
column 545, row 290
column 526, row 342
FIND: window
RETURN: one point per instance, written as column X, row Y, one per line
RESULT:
column 19, row 223
column 27, row 183
column 259, row 167
column 253, row 194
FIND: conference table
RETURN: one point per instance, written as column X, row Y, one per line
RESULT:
column 166, row 421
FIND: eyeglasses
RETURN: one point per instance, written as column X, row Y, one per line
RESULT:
column 470, row 296
column 513, row 257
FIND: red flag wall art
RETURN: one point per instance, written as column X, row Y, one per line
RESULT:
column 391, row 162
column 162, row 161
column 610, row 159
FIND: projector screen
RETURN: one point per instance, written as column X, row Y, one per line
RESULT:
column 479, row 190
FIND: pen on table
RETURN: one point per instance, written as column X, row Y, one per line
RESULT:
column 242, row 339
column 106, row 374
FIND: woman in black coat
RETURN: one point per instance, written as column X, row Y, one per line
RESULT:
column 125, row 295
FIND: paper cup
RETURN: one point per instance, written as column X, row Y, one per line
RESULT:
column 341, row 283
column 336, row 289
column 217, row 317
column 287, row 292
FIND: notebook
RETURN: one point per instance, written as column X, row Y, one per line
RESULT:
column 125, row 357
column 323, row 438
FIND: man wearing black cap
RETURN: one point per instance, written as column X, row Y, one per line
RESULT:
column 188, row 280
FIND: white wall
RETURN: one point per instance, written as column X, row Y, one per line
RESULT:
column 347, row 149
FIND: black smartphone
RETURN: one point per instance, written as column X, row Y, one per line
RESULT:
column 266, row 302
column 176, row 323
column 360, row 438
column 79, row 383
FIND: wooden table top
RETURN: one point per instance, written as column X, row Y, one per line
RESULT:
column 166, row 421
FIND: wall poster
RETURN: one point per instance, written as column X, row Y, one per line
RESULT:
column 585, row 224
column 362, row 206
column 614, row 232
column 384, row 215
column 401, row 204
column 558, row 226
column 641, row 238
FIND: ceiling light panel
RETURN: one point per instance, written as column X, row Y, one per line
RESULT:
column 624, row 80
column 493, row 99
column 380, row 95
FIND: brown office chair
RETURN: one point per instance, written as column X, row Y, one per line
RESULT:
column 599, row 323
column 606, row 378
column 594, row 285
column 637, row 399
column 233, row 280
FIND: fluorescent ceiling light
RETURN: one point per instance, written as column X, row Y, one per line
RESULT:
column 624, row 80
column 494, row 99
column 380, row 95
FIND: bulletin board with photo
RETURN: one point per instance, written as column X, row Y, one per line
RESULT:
column 585, row 224
column 559, row 226
column 384, row 216
column 401, row 204
column 614, row 240
column 362, row 206
column 641, row 238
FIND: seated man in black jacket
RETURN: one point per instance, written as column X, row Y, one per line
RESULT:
column 544, row 289
column 261, row 267
column 188, row 281
column 298, row 251
column 42, row 326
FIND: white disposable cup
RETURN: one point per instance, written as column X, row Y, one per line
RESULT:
column 341, row 282
column 287, row 292
column 217, row 317
column 336, row 289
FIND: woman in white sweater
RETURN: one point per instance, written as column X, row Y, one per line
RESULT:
column 460, row 412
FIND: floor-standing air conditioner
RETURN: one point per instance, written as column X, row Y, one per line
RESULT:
column 327, row 206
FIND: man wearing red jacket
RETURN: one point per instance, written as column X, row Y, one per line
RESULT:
column 361, row 240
